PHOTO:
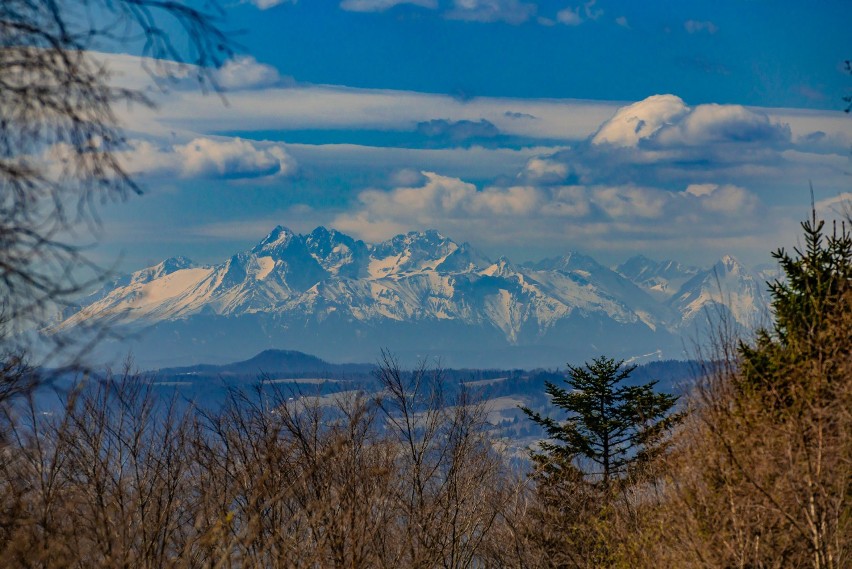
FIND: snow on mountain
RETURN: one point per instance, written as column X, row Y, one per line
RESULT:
column 413, row 252
column 660, row 279
column 327, row 293
column 610, row 284
column 337, row 253
column 726, row 290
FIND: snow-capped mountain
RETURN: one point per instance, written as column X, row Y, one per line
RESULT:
column 728, row 292
column 420, row 293
column 660, row 279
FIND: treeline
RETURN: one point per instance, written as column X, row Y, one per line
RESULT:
column 756, row 472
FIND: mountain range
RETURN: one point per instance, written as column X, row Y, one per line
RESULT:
column 418, row 294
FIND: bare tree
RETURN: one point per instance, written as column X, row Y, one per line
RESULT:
column 451, row 482
column 59, row 133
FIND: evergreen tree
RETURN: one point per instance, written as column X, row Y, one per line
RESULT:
column 764, row 464
column 811, row 304
column 613, row 426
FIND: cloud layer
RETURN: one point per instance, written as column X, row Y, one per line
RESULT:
column 496, row 214
column 208, row 158
column 658, row 173
column 548, row 174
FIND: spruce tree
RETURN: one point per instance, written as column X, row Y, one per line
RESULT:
column 811, row 304
column 610, row 426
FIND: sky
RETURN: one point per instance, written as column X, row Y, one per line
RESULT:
column 685, row 130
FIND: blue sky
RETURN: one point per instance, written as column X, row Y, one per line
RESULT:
column 747, row 52
column 672, row 129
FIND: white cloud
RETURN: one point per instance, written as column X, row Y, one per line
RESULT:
column 727, row 199
column 591, row 12
column 320, row 107
column 266, row 4
column 569, row 17
column 208, row 158
column 382, row 5
column 542, row 169
column 244, row 72
column 709, row 124
column 695, row 26
column 640, row 120
column 495, row 214
column 509, row 11
column 664, row 121
column 622, row 21
column 233, row 158
column 474, row 162
column 839, row 205
column 265, row 107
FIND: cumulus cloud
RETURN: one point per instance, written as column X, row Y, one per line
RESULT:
column 640, row 120
column 245, row 72
column 695, row 26
column 441, row 200
column 727, row 199
column 492, row 213
column 657, row 170
column 328, row 107
column 208, row 158
column 543, row 170
column 662, row 142
column 382, row 5
column 665, row 121
column 712, row 124
column 509, row 11
column 622, row 21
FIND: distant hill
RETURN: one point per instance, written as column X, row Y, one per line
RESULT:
column 270, row 363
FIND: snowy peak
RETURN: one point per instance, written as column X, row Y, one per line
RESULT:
column 338, row 253
column 465, row 259
column 728, row 265
column 640, row 268
column 502, row 268
column 660, row 279
column 278, row 240
column 572, row 262
column 726, row 290
column 160, row 270
column 283, row 254
column 416, row 251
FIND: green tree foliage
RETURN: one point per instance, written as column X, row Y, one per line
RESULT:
column 811, row 303
column 613, row 426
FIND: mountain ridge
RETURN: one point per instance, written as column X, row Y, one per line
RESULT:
column 327, row 293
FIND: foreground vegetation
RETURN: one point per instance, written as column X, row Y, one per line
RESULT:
column 752, row 471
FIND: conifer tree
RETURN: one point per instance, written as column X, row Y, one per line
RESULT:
column 811, row 304
column 611, row 426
